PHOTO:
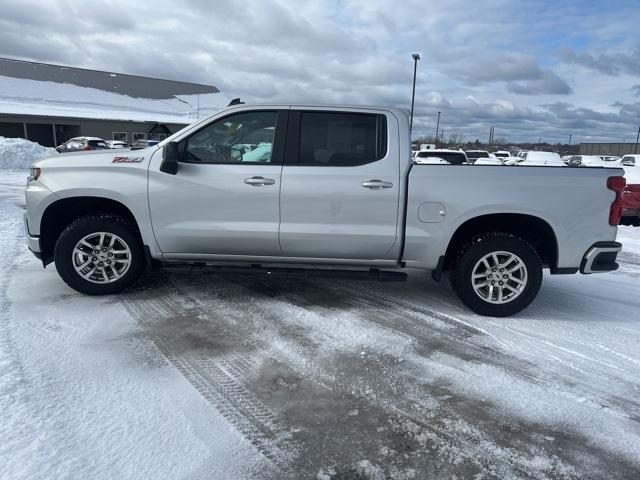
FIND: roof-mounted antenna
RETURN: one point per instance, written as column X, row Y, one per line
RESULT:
column 235, row 101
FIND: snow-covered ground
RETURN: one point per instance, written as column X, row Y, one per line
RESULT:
column 203, row 376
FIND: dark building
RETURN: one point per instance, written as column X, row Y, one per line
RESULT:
column 49, row 104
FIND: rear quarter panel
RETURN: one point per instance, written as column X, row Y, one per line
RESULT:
column 575, row 202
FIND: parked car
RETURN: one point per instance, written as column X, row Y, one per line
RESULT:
column 609, row 158
column 583, row 160
column 117, row 144
column 82, row 143
column 631, row 196
column 591, row 161
column 139, row 144
column 630, row 161
column 473, row 155
column 631, row 205
column 550, row 159
column 339, row 192
column 443, row 155
column 502, row 154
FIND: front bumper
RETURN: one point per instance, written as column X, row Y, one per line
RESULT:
column 601, row 257
column 32, row 242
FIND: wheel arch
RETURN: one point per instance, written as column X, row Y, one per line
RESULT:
column 59, row 214
column 533, row 229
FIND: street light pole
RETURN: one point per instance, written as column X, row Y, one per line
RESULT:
column 635, row 150
column 187, row 103
column 437, row 128
column 570, row 136
column 415, row 57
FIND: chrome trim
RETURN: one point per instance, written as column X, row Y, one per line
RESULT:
column 592, row 254
column 32, row 242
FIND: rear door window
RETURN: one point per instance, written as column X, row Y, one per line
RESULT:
column 341, row 139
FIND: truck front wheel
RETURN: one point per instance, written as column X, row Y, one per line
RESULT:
column 99, row 254
column 497, row 275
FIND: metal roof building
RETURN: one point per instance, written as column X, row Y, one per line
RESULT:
column 618, row 149
column 49, row 104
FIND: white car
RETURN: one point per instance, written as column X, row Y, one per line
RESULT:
column 630, row 160
column 591, row 161
column 474, row 155
column 550, row 159
column 440, row 156
column 116, row 144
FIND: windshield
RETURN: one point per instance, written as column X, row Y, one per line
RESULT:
column 473, row 154
column 454, row 158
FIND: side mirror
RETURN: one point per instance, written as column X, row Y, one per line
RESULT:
column 170, row 158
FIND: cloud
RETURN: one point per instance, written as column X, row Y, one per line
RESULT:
column 521, row 74
column 483, row 63
column 607, row 63
column 636, row 89
column 548, row 83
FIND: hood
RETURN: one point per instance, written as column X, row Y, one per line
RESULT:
column 96, row 158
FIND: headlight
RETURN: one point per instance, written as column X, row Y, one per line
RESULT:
column 34, row 174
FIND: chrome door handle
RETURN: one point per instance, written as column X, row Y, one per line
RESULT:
column 377, row 184
column 257, row 181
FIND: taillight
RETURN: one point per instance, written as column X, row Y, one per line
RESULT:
column 617, row 185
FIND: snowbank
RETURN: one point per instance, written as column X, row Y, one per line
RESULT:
column 632, row 174
column 18, row 153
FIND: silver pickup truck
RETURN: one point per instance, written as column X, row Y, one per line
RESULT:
column 318, row 188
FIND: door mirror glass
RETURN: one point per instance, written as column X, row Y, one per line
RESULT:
column 170, row 158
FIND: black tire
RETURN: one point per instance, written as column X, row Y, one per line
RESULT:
column 113, row 224
column 472, row 253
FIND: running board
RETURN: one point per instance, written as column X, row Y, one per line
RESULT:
column 293, row 272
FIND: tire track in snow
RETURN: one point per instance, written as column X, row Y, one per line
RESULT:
column 219, row 379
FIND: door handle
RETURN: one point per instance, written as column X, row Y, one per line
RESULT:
column 377, row 184
column 257, row 181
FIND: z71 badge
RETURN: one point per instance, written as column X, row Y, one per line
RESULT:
column 127, row 159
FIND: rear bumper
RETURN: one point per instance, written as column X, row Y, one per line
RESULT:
column 32, row 242
column 601, row 257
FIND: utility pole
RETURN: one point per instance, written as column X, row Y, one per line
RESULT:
column 570, row 136
column 635, row 150
column 437, row 128
column 442, row 137
column 415, row 57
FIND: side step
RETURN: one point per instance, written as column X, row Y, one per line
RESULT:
column 293, row 272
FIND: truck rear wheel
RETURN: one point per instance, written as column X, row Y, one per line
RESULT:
column 497, row 275
column 99, row 255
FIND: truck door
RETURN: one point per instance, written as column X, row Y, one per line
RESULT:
column 224, row 198
column 340, row 185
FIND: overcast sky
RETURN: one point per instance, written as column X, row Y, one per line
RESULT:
column 532, row 68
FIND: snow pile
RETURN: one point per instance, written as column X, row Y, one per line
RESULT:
column 632, row 174
column 19, row 154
